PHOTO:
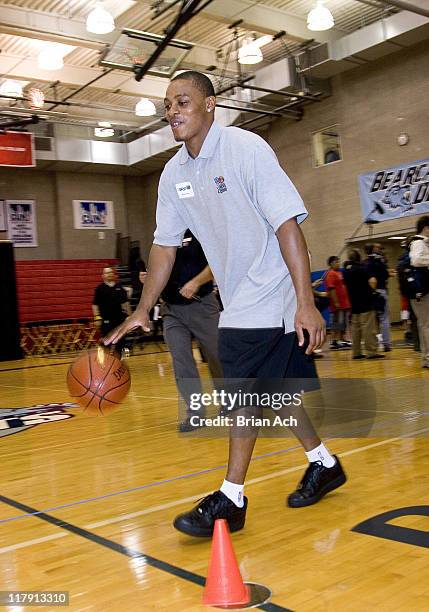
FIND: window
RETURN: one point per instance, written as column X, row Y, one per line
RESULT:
column 326, row 146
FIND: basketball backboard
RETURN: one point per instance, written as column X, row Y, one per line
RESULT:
column 133, row 48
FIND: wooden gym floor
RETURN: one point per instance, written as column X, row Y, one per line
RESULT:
column 110, row 487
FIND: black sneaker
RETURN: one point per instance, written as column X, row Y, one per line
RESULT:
column 199, row 521
column 345, row 344
column 316, row 482
column 191, row 423
column 188, row 425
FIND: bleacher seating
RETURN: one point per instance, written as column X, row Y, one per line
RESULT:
column 54, row 298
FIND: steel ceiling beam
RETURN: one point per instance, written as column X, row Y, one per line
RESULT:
column 287, row 94
column 266, row 19
column 108, row 109
column 20, row 21
column 85, row 121
column 42, row 25
column 14, row 123
column 260, row 106
column 80, row 89
column 251, row 120
column 26, row 68
column 419, row 8
column 249, row 110
column 63, row 118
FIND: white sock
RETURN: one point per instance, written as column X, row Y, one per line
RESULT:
column 321, row 453
column 234, row 492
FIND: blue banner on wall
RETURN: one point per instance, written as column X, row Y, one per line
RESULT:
column 401, row 191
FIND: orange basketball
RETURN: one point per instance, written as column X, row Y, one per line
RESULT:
column 98, row 381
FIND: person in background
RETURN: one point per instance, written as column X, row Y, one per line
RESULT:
column 360, row 286
column 408, row 317
column 419, row 258
column 339, row 304
column 110, row 305
column 155, row 313
column 191, row 310
column 377, row 268
column 321, row 301
column 141, row 277
column 332, row 155
column 136, row 264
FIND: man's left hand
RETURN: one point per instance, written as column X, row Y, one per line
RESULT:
column 309, row 318
column 189, row 289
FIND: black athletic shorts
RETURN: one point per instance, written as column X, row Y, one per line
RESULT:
column 266, row 354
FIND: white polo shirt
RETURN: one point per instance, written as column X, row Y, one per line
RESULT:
column 233, row 197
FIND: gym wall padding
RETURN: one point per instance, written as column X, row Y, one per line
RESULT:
column 9, row 324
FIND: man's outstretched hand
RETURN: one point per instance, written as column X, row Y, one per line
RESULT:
column 137, row 319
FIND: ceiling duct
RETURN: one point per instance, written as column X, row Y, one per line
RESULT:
column 367, row 44
column 405, row 5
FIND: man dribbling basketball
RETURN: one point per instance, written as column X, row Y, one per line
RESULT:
column 227, row 186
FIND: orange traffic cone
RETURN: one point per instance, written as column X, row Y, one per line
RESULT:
column 224, row 584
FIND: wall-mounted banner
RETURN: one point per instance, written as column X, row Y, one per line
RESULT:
column 88, row 214
column 400, row 191
column 3, row 225
column 17, row 149
column 21, row 222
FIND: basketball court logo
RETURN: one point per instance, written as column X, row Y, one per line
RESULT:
column 15, row 420
column 220, row 184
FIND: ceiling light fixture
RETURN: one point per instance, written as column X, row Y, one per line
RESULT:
column 50, row 58
column 145, row 108
column 10, row 87
column 263, row 40
column 249, row 53
column 100, row 21
column 104, row 130
column 320, row 18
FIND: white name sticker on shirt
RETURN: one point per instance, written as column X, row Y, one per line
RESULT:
column 185, row 190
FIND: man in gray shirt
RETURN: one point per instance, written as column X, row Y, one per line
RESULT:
column 226, row 185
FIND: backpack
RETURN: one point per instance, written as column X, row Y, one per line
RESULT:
column 413, row 281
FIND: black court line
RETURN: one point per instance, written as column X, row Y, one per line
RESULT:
column 173, row 570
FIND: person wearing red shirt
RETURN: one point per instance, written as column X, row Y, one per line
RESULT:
column 339, row 304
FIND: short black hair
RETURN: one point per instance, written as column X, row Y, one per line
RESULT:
column 200, row 80
column 331, row 259
column 369, row 248
column 422, row 223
